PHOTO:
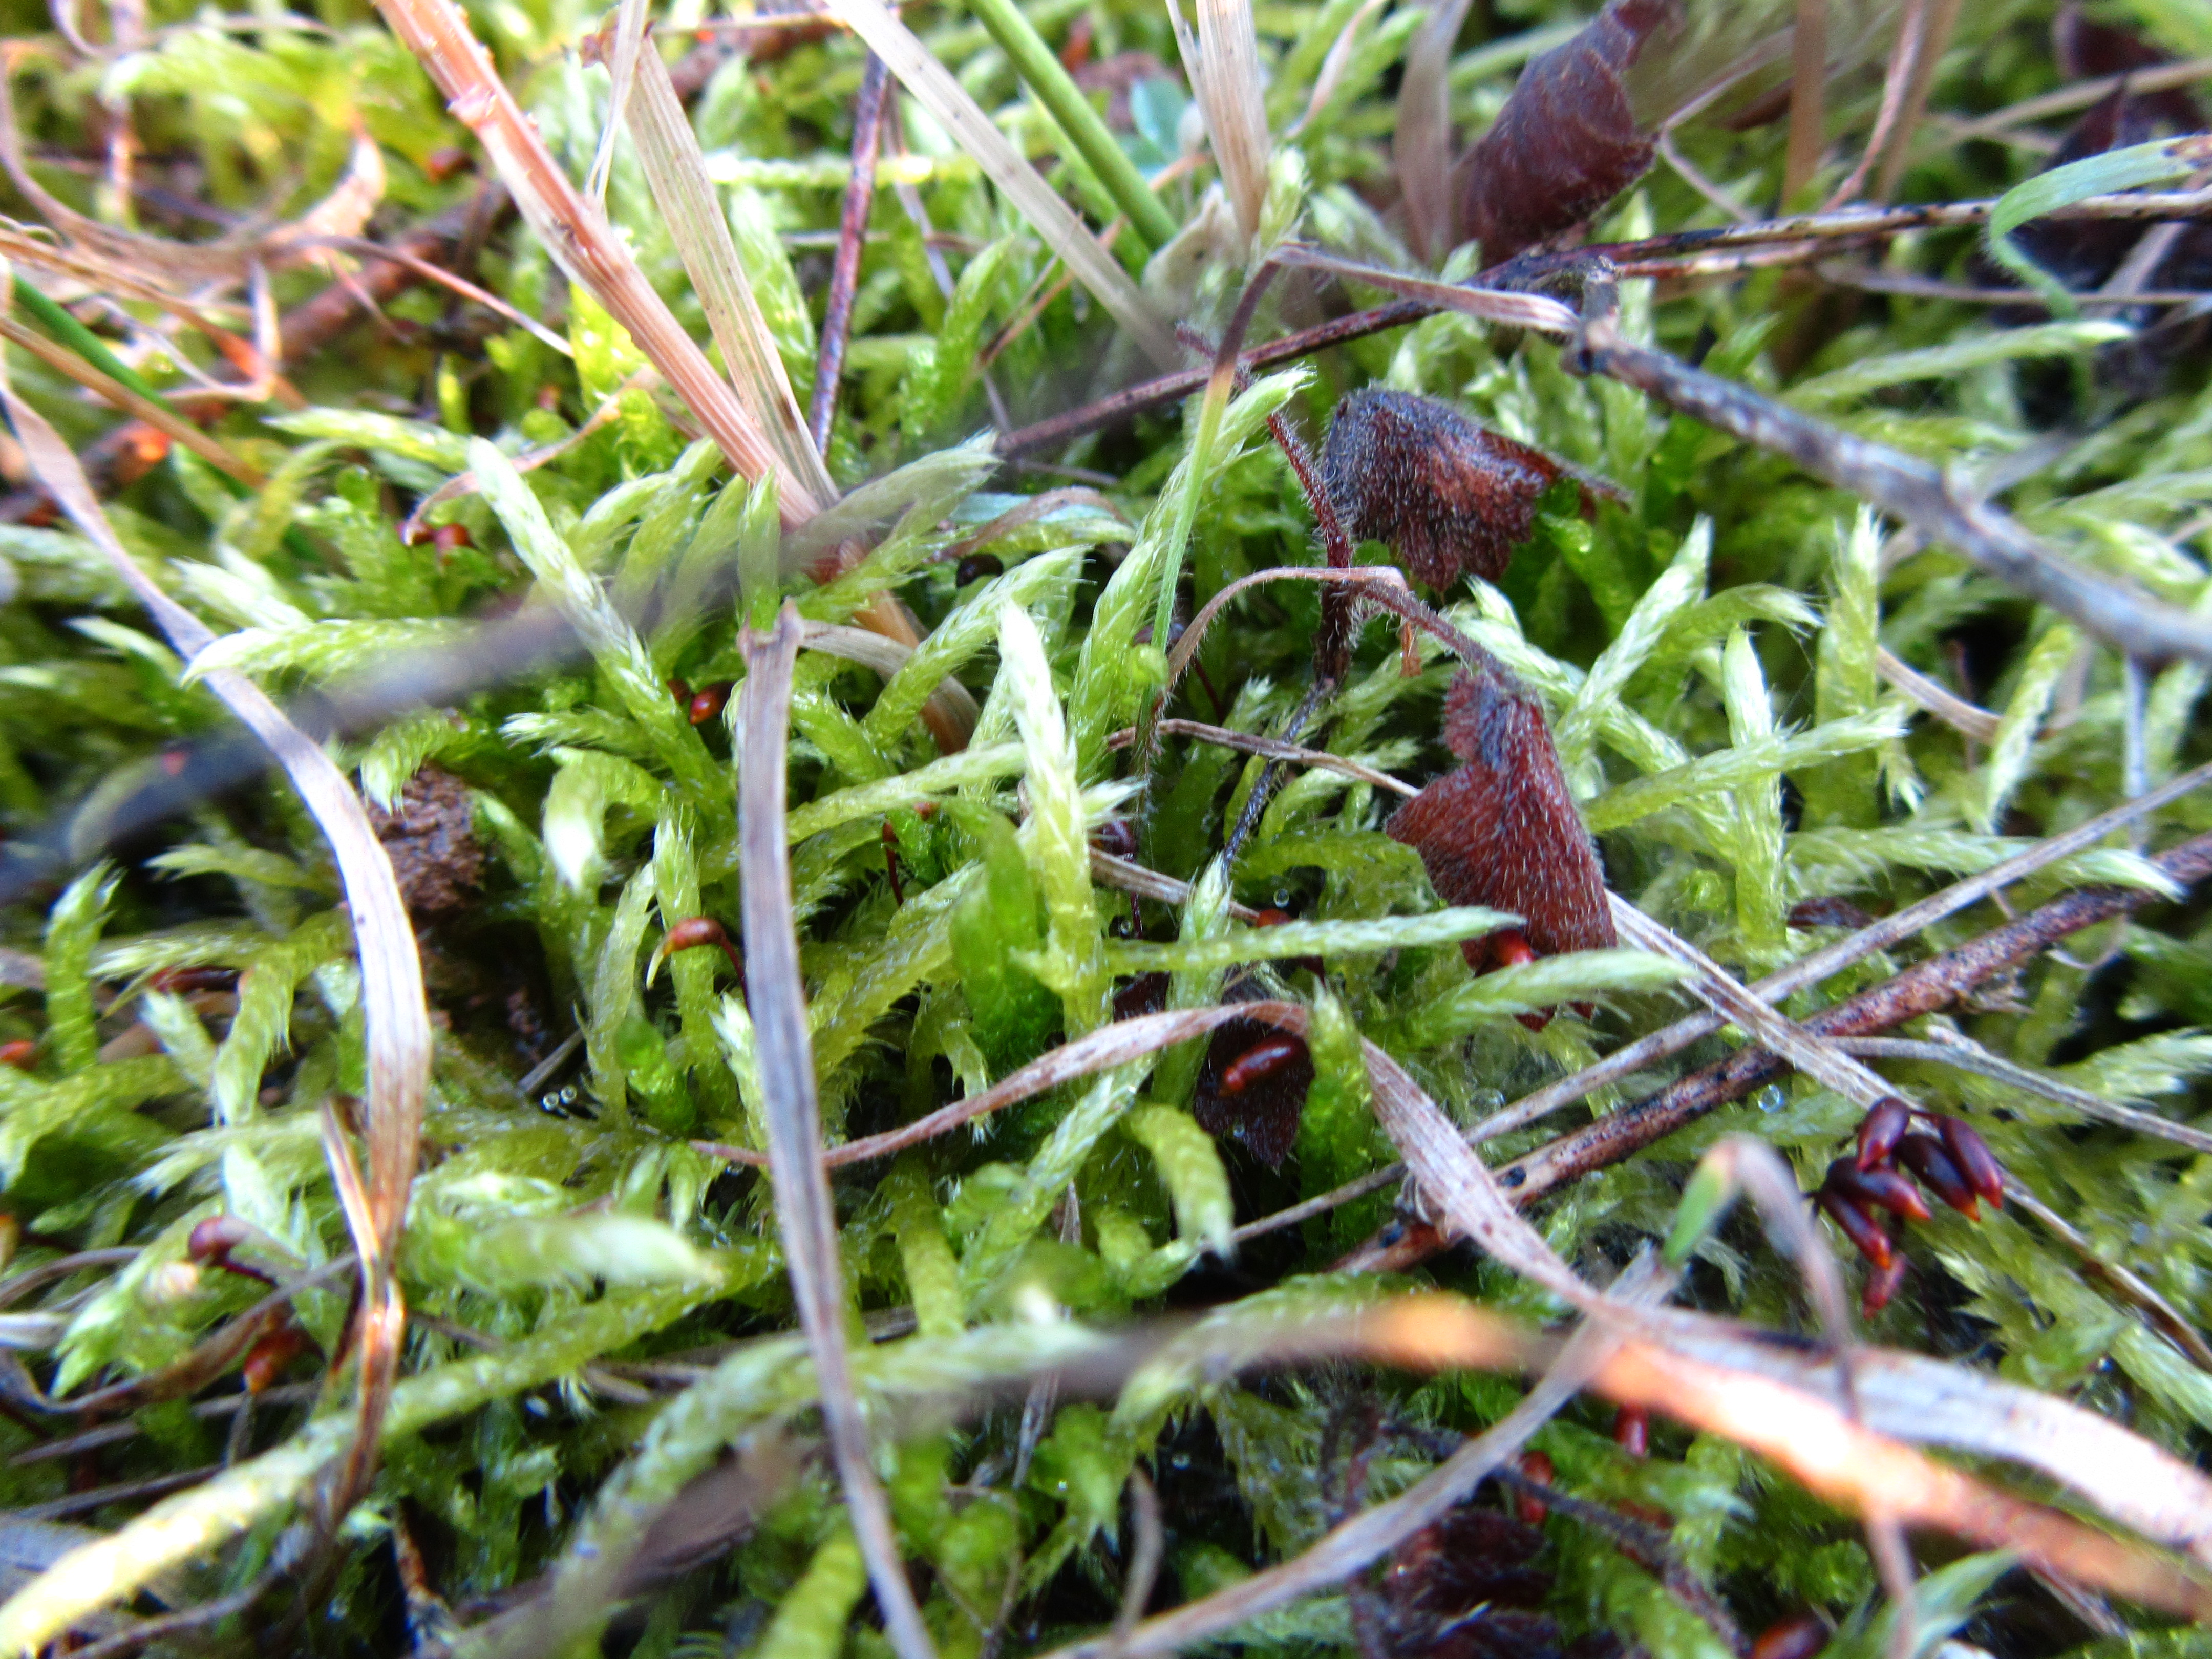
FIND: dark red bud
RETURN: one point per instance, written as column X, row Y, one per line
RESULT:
column 680, row 689
column 976, row 566
column 1924, row 1155
column 19, row 1053
column 1116, row 838
column 1883, row 1127
column 708, row 701
column 694, row 932
column 268, row 1358
column 217, row 1238
column 1976, row 1161
column 1882, row 1284
column 447, row 537
column 1861, row 1228
column 1530, row 1509
column 1631, row 1431
column 183, row 981
column 1798, row 1637
column 1262, row 1060
column 1884, row 1187
column 1271, row 918
column 1511, row 950
column 1828, row 913
column 442, row 163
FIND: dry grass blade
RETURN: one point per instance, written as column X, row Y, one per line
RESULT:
column 1937, row 699
column 1223, row 65
column 162, row 262
column 1422, row 148
column 1903, row 73
column 1854, row 1467
column 1808, row 109
column 1250, row 743
column 628, row 27
column 944, row 98
column 129, row 402
column 1942, row 17
column 396, row 1016
column 1508, row 307
column 675, row 169
column 576, row 233
column 1720, row 991
column 805, row 1214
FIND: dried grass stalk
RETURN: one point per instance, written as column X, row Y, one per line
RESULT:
column 575, row 231
column 1223, row 67
column 805, row 1213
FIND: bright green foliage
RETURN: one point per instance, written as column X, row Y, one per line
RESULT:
column 603, row 1323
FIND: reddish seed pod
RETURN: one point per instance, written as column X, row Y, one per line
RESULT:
column 694, row 932
column 1883, row 1127
column 1631, row 1431
column 1801, row 1635
column 1884, row 1188
column 975, row 567
column 213, row 1239
column 1828, row 913
column 680, row 689
column 19, row 1053
column 1976, row 1161
column 184, row 980
column 1447, row 497
column 267, row 1360
column 1864, row 1232
column 1528, row 1508
column 1116, row 838
column 1262, row 1059
column 708, row 701
column 1882, row 1284
column 1924, row 1155
column 442, row 163
column 447, row 537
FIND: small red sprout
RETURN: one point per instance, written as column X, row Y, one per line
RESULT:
column 214, row 1239
column 1883, row 1189
column 1529, row 1509
column 1800, row 1636
column 691, row 934
column 1976, row 1161
column 1631, row 1431
column 1252, row 1087
column 20, row 1054
column 1882, row 1284
column 1858, row 1225
column 708, row 701
column 267, row 1360
column 1883, row 1128
column 1924, row 1155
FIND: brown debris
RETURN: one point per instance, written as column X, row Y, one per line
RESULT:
column 433, row 853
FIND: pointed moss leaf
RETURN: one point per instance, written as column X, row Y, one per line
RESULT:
column 971, row 626
column 73, row 927
column 1579, row 976
column 263, row 1023
column 933, row 1273
column 1102, row 697
column 417, row 440
column 1190, row 1166
column 577, row 1250
column 810, row 1619
column 1060, row 850
column 96, row 1110
column 1303, row 939
column 939, row 777
column 404, row 747
column 576, row 805
column 612, row 643
column 1679, row 585
column 244, row 864
column 2128, row 167
column 1950, row 361
column 614, row 999
column 942, row 369
column 1716, row 776
column 1825, row 861
column 1010, row 1228
column 925, row 490
column 2012, row 750
column 1705, row 1200
column 1754, row 828
column 182, row 1037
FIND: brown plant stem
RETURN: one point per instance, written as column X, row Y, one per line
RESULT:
column 1920, row 989
column 852, row 233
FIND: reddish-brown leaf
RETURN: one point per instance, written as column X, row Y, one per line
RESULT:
column 1444, row 495
column 1567, row 141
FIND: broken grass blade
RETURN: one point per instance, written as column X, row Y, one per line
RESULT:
column 804, row 1212
column 675, row 169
